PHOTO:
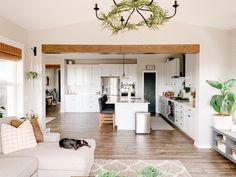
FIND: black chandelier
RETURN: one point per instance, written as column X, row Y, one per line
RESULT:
column 152, row 15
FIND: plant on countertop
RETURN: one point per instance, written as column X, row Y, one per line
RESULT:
column 224, row 102
column 31, row 75
column 150, row 171
column 1, row 111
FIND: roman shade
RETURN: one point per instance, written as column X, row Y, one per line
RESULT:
column 8, row 52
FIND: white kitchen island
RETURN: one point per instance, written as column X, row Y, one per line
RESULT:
column 125, row 111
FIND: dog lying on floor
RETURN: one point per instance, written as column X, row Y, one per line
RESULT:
column 72, row 143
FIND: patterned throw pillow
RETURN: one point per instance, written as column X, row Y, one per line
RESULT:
column 36, row 128
column 15, row 139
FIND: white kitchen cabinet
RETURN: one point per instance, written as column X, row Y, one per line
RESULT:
column 71, row 75
column 81, row 103
column 90, row 103
column 190, row 71
column 184, row 115
column 73, row 103
column 79, row 75
column 105, row 70
column 87, row 75
column 114, row 70
column 189, row 122
column 96, row 77
column 110, row 69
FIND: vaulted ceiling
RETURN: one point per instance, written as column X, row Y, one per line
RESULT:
column 43, row 14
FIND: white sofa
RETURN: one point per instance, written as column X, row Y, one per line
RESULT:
column 47, row 159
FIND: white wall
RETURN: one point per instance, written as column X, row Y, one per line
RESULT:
column 17, row 36
column 213, row 57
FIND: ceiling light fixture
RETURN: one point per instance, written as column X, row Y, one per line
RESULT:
column 119, row 18
column 123, row 75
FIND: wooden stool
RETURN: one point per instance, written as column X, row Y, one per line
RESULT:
column 107, row 119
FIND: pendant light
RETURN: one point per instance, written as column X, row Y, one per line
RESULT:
column 123, row 75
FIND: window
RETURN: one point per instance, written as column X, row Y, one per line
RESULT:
column 11, row 93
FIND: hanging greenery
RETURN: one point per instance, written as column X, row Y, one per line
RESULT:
column 157, row 15
column 31, row 75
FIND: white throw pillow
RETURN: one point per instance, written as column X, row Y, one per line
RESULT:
column 14, row 139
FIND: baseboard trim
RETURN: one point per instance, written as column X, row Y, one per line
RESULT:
column 203, row 146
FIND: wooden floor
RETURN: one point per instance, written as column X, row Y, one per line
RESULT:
column 168, row 145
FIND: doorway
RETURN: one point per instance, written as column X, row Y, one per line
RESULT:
column 150, row 91
column 52, row 90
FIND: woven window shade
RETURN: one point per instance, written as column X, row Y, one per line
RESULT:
column 8, row 52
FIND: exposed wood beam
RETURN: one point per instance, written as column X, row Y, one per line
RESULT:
column 53, row 66
column 119, row 49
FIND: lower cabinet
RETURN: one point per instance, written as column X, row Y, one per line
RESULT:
column 81, row 103
column 184, row 115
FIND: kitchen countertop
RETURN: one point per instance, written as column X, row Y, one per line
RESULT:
column 118, row 99
column 182, row 102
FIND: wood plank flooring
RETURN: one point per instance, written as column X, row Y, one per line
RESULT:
column 168, row 145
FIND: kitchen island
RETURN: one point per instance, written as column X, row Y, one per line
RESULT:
column 125, row 110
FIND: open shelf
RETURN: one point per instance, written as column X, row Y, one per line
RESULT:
column 225, row 140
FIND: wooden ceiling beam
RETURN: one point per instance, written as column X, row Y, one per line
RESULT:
column 120, row 49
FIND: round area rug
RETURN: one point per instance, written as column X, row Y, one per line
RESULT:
column 130, row 168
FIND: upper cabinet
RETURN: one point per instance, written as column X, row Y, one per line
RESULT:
column 190, row 71
column 87, row 75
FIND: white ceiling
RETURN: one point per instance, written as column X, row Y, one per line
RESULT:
column 42, row 14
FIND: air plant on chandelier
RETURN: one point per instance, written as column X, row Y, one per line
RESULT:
column 150, row 13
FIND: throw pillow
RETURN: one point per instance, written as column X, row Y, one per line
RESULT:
column 36, row 128
column 15, row 139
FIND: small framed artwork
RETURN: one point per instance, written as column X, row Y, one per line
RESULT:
column 150, row 67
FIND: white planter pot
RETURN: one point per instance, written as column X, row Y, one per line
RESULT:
column 223, row 122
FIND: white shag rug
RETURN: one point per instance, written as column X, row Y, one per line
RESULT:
column 130, row 168
column 49, row 119
column 158, row 123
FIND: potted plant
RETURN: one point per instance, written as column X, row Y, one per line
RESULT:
column 1, row 111
column 223, row 103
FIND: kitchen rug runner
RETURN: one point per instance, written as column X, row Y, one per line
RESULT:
column 130, row 168
column 158, row 123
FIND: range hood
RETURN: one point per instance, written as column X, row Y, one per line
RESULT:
column 181, row 68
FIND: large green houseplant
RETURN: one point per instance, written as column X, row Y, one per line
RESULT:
column 223, row 103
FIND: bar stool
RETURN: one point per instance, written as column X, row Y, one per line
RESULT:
column 107, row 114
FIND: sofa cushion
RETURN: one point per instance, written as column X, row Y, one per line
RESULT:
column 18, row 166
column 34, row 122
column 14, row 139
column 51, row 157
column 4, row 121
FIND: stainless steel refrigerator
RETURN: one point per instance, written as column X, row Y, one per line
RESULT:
column 110, row 85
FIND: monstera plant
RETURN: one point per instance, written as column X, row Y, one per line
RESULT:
column 223, row 103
